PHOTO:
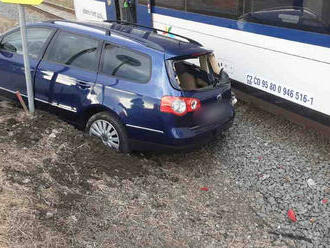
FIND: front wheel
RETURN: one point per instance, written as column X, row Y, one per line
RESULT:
column 109, row 130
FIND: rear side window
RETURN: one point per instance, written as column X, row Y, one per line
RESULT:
column 75, row 50
column 36, row 40
column 126, row 64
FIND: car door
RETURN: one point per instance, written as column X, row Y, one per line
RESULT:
column 126, row 76
column 12, row 75
column 66, row 76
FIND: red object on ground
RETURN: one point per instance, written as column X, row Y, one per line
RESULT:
column 325, row 201
column 292, row 215
column 204, row 189
column 18, row 95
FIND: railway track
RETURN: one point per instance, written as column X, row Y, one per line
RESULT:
column 53, row 10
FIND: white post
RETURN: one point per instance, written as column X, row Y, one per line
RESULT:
column 27, row 67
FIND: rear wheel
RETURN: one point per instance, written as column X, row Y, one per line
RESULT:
column 109, row 130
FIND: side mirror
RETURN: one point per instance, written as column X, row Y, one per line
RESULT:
column 8, row 47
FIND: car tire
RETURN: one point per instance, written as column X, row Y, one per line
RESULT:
column 109, row 130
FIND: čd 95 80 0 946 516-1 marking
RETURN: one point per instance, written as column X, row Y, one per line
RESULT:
column 279, row 89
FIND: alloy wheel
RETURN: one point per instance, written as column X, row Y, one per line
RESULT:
column 106, row 132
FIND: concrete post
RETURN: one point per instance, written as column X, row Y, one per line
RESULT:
column 27, row 67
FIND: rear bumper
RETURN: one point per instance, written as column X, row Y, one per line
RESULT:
column 182, row 144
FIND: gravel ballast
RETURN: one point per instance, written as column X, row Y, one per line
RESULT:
column 10, row 11
column 286, row 167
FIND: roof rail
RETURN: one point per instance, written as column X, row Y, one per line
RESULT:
column 155, row 30
column 143, row 40
column 108, row 32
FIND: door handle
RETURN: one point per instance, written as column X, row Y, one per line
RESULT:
column 83, row 85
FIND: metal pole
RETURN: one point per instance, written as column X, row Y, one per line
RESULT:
column 27, row 67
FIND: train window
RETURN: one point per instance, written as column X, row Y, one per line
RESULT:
column 309, row 15
column 223, row 8
column 144, row 2
column 171, row 4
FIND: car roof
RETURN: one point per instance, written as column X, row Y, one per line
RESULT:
column 138, row 36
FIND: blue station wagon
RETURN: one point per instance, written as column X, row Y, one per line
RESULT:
column 132, row 87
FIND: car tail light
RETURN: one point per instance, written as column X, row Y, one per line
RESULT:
column 179, row 105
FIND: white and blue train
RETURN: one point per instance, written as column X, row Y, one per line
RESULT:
column 274, row 50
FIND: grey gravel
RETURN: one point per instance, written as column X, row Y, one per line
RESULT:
column 11, row 11
column 285, row 166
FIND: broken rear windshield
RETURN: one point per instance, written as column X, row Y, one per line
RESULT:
column 195, row 72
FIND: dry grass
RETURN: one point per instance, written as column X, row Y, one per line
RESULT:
column 19, row 225
column 5, row 203
column 20, row 207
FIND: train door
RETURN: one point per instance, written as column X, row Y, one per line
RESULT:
column 144, row 12
column 117, row 10
column 125, row 10
column 133, row 11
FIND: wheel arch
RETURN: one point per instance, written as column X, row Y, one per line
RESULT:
column 88, row 112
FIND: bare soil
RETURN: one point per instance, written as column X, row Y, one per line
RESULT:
column 61, row 188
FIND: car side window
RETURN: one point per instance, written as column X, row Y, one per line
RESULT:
column 74, row 50
column 36, row 40
column 123, row 63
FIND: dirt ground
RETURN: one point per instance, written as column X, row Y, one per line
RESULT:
column 65, row 3
column 61, row 188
